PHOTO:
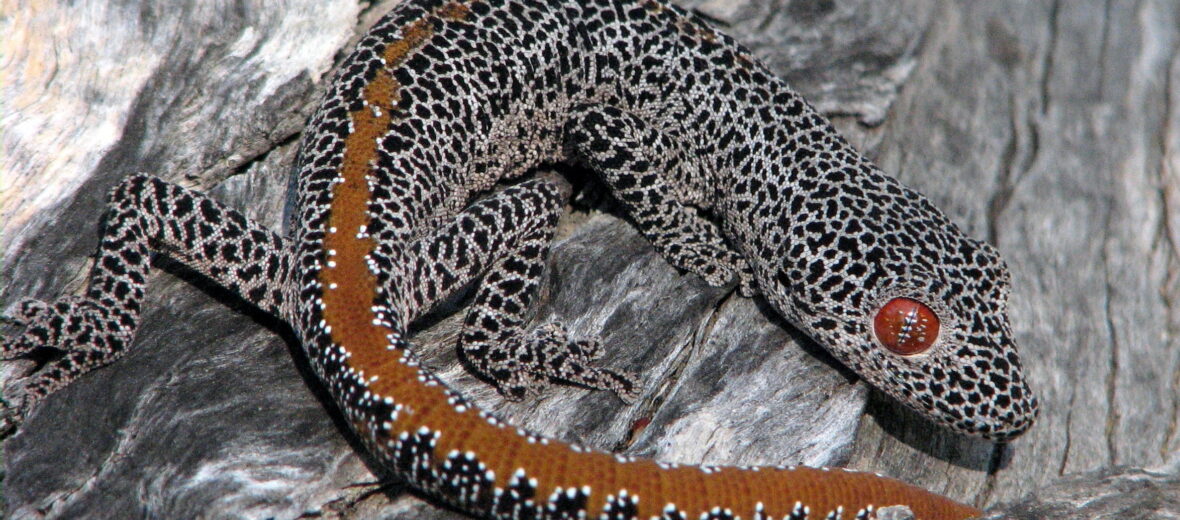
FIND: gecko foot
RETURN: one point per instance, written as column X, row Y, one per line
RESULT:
column 528, row 362
column 718, row 266
column 86, row 334
column 70, row 323
column 14, row 406
column 745, row 279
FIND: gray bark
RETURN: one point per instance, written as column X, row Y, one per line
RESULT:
column 1049, row 129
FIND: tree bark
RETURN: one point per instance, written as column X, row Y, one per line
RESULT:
column 1050, row 129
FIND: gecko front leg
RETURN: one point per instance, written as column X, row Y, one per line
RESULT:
column 636, row 161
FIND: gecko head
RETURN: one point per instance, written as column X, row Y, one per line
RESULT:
column 897, row 293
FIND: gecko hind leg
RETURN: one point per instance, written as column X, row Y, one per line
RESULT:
column 145, row 215
column 506, row 239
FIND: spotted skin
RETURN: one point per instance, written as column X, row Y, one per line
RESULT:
column 729, row 173
column 145, row 215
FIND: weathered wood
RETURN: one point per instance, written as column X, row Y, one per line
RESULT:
column 1112, row 494
column 1049, row 129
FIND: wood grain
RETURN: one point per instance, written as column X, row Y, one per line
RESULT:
column 1049, row 128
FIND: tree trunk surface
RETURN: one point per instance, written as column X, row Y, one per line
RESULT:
column 1050, row 129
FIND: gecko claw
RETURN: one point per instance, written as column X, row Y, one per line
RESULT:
column 14, row 407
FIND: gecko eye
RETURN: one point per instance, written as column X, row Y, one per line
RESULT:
column 906, row 327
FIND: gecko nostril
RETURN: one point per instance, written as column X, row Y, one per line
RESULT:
column 906, row 326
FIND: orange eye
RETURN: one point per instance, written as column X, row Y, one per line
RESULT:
column 906, row 326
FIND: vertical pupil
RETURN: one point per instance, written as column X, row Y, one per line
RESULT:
column 906, row 326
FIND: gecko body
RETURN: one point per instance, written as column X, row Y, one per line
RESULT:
column 728, row 172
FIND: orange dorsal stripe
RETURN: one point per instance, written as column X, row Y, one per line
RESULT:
column 375, row 356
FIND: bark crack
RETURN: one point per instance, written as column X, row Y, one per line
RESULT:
column 1021, row 152
column 1047, row 63
column 1013, row 166
column 1102, row 49
column 1112, row 411
column 771, row 15
column 1003, row 192
column 1073, row 397
column 995, row 464
column 1168, row 191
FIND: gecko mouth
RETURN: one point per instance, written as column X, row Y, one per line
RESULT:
column 1001, row 419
